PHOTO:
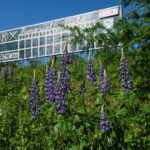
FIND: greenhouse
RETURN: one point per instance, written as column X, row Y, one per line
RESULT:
column 48, row 38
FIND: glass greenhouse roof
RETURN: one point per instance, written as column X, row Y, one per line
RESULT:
column 45, row 39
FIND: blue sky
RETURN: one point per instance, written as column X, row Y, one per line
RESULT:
column 17, row 13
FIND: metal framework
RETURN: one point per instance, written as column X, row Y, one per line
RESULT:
column 45, row 39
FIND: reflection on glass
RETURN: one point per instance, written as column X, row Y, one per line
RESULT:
column 35, row 52
column 58, row 30
column 73, row 48
column 28, row 53
column 64, row 47
column 57, row 38
column 30, row 35
column 42, row 51
column 49, row 49
column 56, row 48
column 10, row 46
column 21, row 44
column 42, row 33
column 81, row 46
column 35, row 42
column 50, row 32
column 28, row 43
column 21, row 54
column 50, row 39
column 33, row 35
column 20, row 37
column 64, row 37
column 42, row 40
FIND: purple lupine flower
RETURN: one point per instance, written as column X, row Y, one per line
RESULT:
column 101, row 72
column 125, row 78
column 4, row 74
column 65, row 74
column 60, row 98
column 49, row 85
column 62, row 86
column 34, row 97
column 90, row 74
column 104, row 82
column 104, row 126
column 83, row 88
column 68, row 56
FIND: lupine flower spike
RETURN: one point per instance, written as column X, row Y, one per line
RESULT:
column 104, row 126
column 104, row 82
column 60, row 97
column 90, row 74
column 49, row 84
column 34, row 97
column 63, row 86
column 125, row 78
column 65, row 73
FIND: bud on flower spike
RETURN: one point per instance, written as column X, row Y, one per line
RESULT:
column 104, row 83
column 49, row 84
column 125, row 78
column 104, row 127
column 90, row 74
column 63, row 86
column 60, row 97
column 65, row 73
column 34, row 97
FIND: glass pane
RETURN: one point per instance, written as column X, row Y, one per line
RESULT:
column 49, row 49
column 64, row 47
column 42, row 51
column 9, row 46
column 56, row 31
column 35, row 42
column 50, row 39
column 21, row 44
column 50, row 32
column 35, row 52
column 21, row 54
column 42, row 33
column 28, row 43
column 42, row 40
column 73, row 48
column 57, row 38
column 33, row 35
column 28, row 53
column 30, row 35
column 64, row 37
column 57, row 49
column 81, row 46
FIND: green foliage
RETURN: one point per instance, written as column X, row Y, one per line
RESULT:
column 128, row 113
